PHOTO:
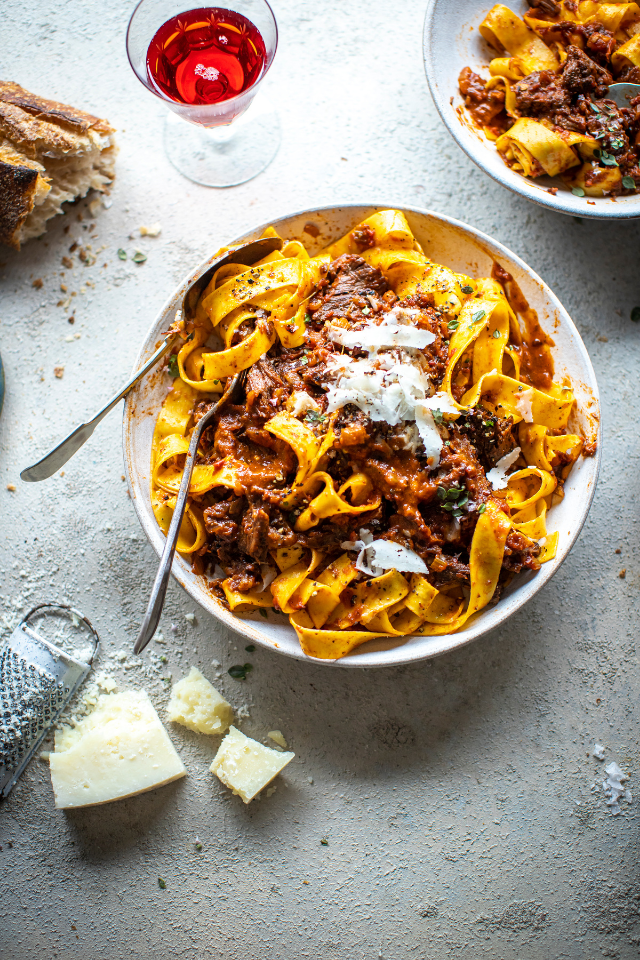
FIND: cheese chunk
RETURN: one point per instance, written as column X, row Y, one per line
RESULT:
column 197, row 705
column 246, row 766
column 119, row 750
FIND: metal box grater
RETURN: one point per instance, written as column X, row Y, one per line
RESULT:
column 37, row 680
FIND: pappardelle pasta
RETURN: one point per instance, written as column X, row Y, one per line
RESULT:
column 545, row 103
column 399, row 445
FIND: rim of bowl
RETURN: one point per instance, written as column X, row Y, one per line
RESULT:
column 403, row 653
column 626, row 208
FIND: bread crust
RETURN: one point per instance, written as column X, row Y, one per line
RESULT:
column 30, row 126
column 17, row 192
column 13, row 93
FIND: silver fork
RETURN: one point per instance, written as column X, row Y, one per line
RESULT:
column 158, row 593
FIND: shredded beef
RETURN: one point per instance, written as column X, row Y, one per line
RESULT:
column 348, row 277
column 580, row 74
column 253, row 539
column 491, row 436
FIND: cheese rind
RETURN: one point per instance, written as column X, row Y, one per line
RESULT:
column 196, row 704
column 246, row 766
column 119, row 750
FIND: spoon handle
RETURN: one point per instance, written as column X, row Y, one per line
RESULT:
column 57, row 457
column 158, row 592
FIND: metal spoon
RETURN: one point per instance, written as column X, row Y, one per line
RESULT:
column 247, row 254
column 156, row 601
column 621, row 93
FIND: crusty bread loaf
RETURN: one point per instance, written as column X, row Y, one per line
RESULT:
column 49, row 153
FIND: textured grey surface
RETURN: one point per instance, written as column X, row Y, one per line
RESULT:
column 455, row 796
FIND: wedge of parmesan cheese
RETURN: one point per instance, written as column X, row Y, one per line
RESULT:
column 246, row 766
column 119, row 750
column 196, row 704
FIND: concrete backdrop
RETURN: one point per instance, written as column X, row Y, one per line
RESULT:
column 456, row 796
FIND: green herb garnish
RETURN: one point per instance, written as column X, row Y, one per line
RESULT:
column 607, row 159
column 240, row 671
column 437, row 416
column 307, row 318
column 482, row 508
column 139, row 257
column 162, row 884
column 324, row 842
column 262, row 612
column 122, row 254
column 480, row 315
column 467, row 288
column 172, row 366
column 577, row 192
column 635, row 314
column 314, row 417
column 628, row 183
column 496, row 334
column 198, row 846
column 453, row 324
column 251, row 648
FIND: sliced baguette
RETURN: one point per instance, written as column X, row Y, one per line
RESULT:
column 50, row 153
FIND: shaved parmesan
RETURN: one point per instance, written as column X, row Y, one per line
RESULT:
column 497, row 477
column 376, row 556
column 300, row 403
column 523, row 404
column 429, row 435
column 395, row 330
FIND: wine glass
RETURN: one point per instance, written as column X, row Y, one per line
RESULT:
column 207, row 63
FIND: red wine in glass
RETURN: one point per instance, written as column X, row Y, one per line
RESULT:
column 206, row 56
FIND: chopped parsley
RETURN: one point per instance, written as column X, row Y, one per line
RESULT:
column 628, row 183
column 263, row 612
column 577, row 192
column 139, row 257
column 172, row 366
column 251, row 648
column 307, row 318
column 453, row 324
column 162, row 884
column 478, row 316
column 635, row 314
column 240, row 671
column 437, row 416
column 122, row 254
column 467, row 288
column 482, row 508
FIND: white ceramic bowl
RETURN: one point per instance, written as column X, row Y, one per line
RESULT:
column 452, row 41
column 464, row 249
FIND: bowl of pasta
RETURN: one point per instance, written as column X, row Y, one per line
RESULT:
column 415, row 451
column 523, row 88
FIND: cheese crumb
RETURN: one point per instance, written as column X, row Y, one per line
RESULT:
column 197, row 705
column 598, row 751
column 153, row 231
column 277, row 737
column 246, row 766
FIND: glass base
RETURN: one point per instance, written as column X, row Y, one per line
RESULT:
column 224, row 156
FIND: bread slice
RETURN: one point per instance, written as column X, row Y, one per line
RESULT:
column 49, row 153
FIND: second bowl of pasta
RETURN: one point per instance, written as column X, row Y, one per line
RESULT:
column 415, row 451
column 523, row 88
